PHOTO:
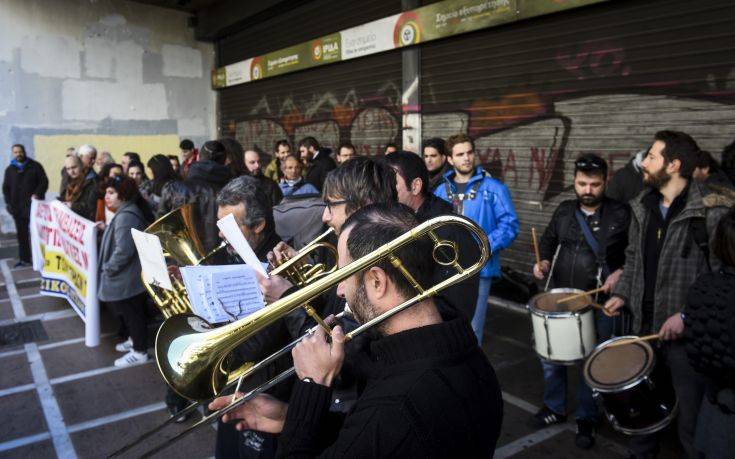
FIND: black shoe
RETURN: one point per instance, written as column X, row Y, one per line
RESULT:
column 585, row 437
column 546, row 417
column 22, row 264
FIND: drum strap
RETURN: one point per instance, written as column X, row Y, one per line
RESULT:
column 596, row 247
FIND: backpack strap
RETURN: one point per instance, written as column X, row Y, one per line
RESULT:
column 698, row 235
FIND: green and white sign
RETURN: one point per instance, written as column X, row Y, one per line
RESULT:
column 431, row 22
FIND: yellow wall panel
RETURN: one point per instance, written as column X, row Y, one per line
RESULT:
column 50, row 149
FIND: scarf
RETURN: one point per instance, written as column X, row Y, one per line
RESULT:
column 20, row 166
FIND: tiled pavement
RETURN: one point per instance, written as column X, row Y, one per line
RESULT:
column 59, row 398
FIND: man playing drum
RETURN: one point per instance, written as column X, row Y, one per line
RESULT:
column 584, row 242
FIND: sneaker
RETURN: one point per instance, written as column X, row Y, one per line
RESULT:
column 131, row 358
column 546, row 417
column 173, row 410
column 125, row 346
column 585, row 437
column 22, row 264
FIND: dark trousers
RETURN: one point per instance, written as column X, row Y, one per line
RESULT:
column 24, row 237
column 132, row 311
column 690, row 388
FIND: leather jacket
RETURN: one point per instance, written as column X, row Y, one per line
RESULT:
column 577, row 265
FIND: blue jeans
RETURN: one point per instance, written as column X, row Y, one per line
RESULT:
column 555, row 379
column 478, row 319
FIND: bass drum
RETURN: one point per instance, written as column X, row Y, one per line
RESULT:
column 636, row 394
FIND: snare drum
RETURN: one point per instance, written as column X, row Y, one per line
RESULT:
column 563, row 333
column 636, row 394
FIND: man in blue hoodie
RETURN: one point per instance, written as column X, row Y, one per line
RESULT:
column 476, row 195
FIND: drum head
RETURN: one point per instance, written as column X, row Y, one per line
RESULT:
column 613, row 367
column 547, row 302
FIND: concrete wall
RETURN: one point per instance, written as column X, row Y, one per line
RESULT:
column 114, row 73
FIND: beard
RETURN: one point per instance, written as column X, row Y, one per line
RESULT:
column 361, row 307
column 589, row 199
column 656, row 180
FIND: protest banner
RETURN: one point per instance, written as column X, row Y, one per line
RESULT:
column 64, row 249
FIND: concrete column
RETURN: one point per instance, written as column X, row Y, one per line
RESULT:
column 411, row 91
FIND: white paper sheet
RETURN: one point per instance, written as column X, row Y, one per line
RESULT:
column 234, row 236
column 152, row 260
column 222, row 293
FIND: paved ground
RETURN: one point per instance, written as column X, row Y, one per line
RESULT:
column 59, row 398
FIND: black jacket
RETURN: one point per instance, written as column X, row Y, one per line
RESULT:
column 462, row 297
column 19, row 186
column 86, row 203
column 626, row 183
column 577, row 264
column 319, row 168
column 428, row 392
column 270, row 188
column 203, row 182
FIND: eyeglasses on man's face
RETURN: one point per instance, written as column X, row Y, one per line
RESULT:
column 331, row 204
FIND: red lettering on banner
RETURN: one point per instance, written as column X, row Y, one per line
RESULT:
column 79, row 256
column 72, row 227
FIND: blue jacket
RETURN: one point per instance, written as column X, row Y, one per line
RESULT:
column 299, row 188
column 492, row 209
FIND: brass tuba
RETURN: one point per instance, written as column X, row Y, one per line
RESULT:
column 182, row 246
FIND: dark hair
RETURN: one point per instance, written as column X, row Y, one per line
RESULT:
column 681, row 146
column 377, row 224
column 133, row 156
column 591, row 164
column 186, row 144
column 106, row 168
column 18, row 145
column 347, row 145
column 309, row 142
column 213, row 150
column 246, row 190
column 163, row 172
column 723, row 242
column 281, row 142
column 457, row 139
column 134, row 163
column 437, row 144
column 391, row 145
column 705, row 159
column 174, row 158
column 235, row 153
column 361, row 181
column 728, row 161
column 409, row 166
column 126, row 188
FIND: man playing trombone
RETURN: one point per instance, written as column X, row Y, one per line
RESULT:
column 429, row 391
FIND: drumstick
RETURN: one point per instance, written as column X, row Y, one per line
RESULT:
column 579, row 295
column 634, row 340
column 535, row 246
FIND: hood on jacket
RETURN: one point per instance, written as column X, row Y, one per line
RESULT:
column 209, row 171
column 478, row 175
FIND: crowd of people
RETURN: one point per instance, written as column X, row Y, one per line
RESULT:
column 656, row 238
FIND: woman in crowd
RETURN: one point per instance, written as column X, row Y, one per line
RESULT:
column 709, row 328
column 136, row 171
column 235, row 160
column 120, row 285
column 80, row 193
column 164, row 181
column 110, row 170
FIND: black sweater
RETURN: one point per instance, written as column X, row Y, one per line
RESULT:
column 429, row 392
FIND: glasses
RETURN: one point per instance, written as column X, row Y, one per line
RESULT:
column 585, row 163
column 333, row 203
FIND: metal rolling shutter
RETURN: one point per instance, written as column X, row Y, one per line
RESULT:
column 357, row 101
column 602, row 79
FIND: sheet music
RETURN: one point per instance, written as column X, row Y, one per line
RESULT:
column 222, row 293
column 151, row 258
column 234, row 236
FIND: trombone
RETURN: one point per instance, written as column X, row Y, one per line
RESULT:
column 190, row 353
column 181, row 244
